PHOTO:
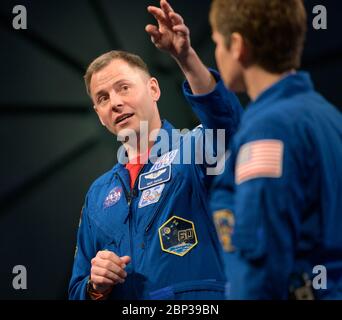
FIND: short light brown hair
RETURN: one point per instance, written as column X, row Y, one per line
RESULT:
column 106, row 58
column 274, row 30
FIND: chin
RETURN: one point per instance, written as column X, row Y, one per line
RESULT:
column 126, row 132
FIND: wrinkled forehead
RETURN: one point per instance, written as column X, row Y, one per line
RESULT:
column 116, row 70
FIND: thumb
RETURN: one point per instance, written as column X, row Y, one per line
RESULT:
column 153, row 32
column 125, row 259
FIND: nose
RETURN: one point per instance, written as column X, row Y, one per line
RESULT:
column 116, row 102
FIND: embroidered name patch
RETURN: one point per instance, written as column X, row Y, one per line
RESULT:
column 177, row 236
column 151, row 195
column 152, row 178
column 258, row 159
column 113, row 197
column 165, row 160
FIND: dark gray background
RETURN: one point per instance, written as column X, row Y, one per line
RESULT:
column 53, row 147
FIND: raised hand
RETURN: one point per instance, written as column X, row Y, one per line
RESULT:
column 171, row 35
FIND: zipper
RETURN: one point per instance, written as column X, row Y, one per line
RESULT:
column 133, row 194
column 129, row 197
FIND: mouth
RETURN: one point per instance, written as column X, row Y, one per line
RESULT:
column 123, row 117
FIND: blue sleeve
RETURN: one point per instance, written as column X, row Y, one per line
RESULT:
column 83, row 255
column 218, row 109
column 267, row 219
column 221, row 192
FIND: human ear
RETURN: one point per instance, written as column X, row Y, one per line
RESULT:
column 154, row 89
column 239, row 48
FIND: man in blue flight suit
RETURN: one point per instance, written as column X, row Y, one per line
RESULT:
column 278, row 205
column 145, row 229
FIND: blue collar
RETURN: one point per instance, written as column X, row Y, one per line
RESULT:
column 289, row 85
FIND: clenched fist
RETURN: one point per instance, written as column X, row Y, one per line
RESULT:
column 108, row 269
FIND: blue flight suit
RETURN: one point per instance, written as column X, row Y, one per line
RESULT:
column 278, row 205
column 163, row 223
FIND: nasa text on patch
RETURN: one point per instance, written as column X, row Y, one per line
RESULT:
column 113, row 197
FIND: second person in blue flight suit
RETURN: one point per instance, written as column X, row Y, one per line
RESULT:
column 278, row 205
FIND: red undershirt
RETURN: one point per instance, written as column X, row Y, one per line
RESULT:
column 135, row 165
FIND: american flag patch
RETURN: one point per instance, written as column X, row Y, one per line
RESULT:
column 261, row 158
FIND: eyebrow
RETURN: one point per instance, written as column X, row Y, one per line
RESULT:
column 101, row 92
column 121, row 81
column 98, row 94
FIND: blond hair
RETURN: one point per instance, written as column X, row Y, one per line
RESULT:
column 106, row 58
